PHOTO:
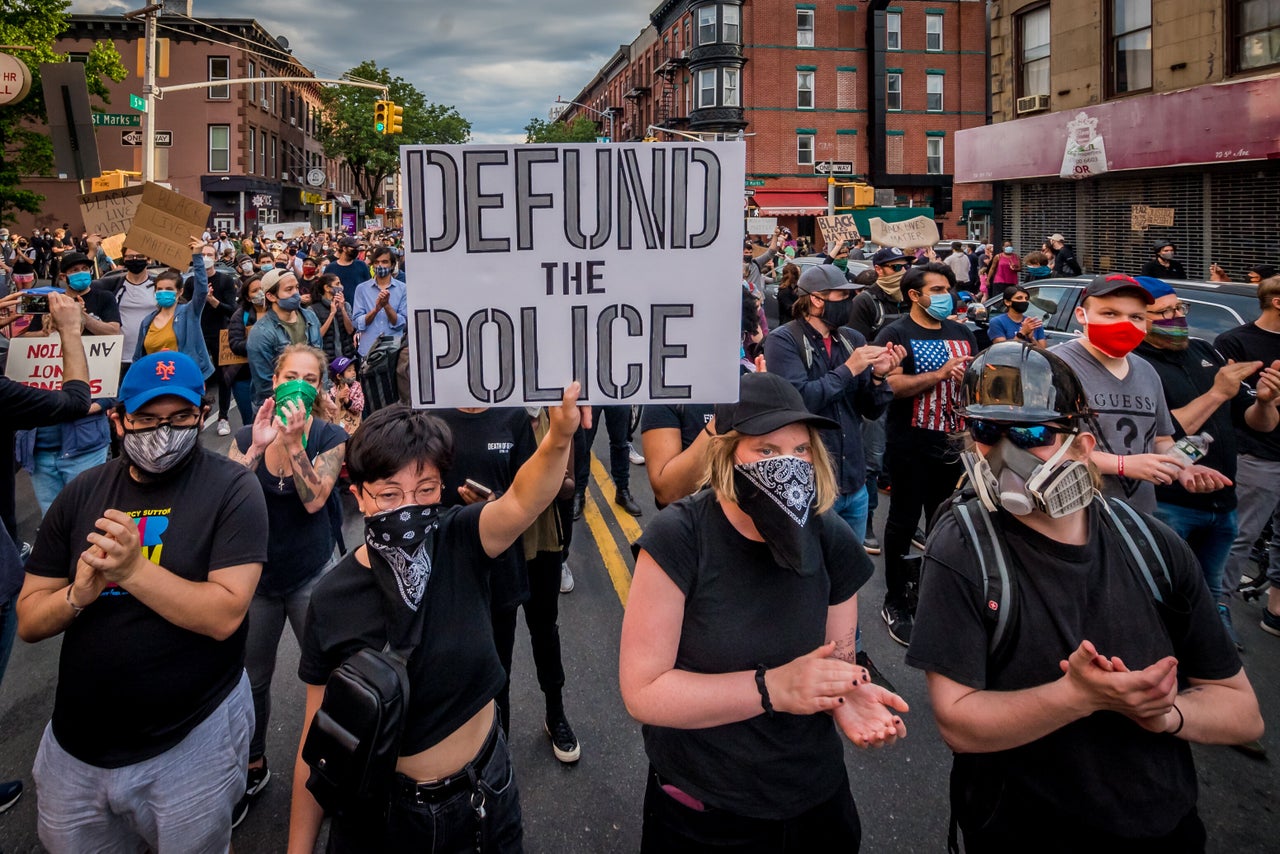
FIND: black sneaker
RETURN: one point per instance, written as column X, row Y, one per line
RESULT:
column 564, row 744
column 864, row 660
column 898, row 617
column 870, row 544
column 258, row 780
column 1270, row 623
column 241, row 810
column 918, row 539
column 9, row 794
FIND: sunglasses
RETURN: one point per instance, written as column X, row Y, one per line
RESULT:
column 897, row 268
column 1025, row 436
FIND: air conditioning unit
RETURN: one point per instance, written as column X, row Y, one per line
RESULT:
column 293, row 121
column 1032, row 104
column 684, row 54
column 333, row 185
column 265, row 104
column 284, row 176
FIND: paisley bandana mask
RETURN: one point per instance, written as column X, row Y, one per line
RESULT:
column 778, row 494
column 401, row 543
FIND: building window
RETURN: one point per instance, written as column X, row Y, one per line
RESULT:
column 1130, row 54
column 1033, row 52
column 804, row 149
column 275, row 172
column 933, row 155
column 804, row 90
column 893, row 91
column 252, row 157
column 893, row 31
column 730, row 88
column 706, row 88
column 731, row 21
column 933, row 86
column 1257, row 34
column 933, row 32
column 219, row 69
column 262, row 88
column 77, row 57
column 219, row 148
column 262, row 153
column 707, row 25
column 804, row 28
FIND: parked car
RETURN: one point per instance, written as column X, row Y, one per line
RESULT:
column 943, row 247
column 802, row 261
column 1213, row 307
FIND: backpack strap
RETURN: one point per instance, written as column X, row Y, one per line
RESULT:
column 1140, row 543
column 802, row 341
column 997, row 582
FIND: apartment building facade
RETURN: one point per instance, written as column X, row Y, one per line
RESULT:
column 1170, row 108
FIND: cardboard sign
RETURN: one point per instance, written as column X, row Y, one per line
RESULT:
column 1142, row 217
column 225, row 355
column 761, row 224
column 37, row 362
column 617, row 265
column 110, row 211
column 164, row 225
column 909, row 234
column 838, row 228
column 114, row 247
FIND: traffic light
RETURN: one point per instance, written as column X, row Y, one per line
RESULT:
column 395, row 118
column 381, row 111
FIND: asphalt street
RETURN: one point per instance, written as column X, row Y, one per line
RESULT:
column 595, row 805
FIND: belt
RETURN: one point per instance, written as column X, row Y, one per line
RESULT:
column 455, row 784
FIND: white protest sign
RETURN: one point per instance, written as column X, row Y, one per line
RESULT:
column 37, row 362
column 907, row 234
column 530, row 266
column 761, row 224
column 838, row 228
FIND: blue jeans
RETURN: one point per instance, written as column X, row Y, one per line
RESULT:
column 873, row 452
column 8, row 629
column 1210, row 536
column 852, row 507
column 242, row 391
column 54, row 471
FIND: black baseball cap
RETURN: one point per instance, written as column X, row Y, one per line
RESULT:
column 1106, row 284
column 824, row 277
column 72, row 259
column 890, row 255
column 765, row 403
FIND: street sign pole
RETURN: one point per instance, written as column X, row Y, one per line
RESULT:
column 148, row 92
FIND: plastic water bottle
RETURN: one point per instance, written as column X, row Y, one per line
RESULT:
column 1191, row 449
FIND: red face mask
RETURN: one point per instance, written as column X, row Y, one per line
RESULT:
column 308, row 270
column 1117, row 340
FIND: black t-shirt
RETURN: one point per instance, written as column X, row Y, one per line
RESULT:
column 225, row 289
column 350, row 275
column 689, row 418
column 489, row 447
column 300, row 543
column 1246, row 344
column 455, row 669
column 131, row 684
column 1104, row 773
column 1157, row 270
column 97, row 303
column 742, row 609
column 925, row 420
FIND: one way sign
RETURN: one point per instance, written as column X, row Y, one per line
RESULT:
column 134, row 138
column 833, row 167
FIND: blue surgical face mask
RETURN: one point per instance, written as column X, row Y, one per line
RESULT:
column 1008, row 250
column 166, row 299
column 292, row 303
column 940, row 306
column 266, row 268
column 79, row 281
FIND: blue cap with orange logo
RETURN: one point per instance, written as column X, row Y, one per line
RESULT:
column 167, row 372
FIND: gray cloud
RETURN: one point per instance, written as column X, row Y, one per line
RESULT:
column 499, row 62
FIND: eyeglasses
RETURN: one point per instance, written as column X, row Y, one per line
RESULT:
column 1025, row 436
column 391, row 497
column 1179, row 310
column 189, row 418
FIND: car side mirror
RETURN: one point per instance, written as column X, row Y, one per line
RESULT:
column 977, row 314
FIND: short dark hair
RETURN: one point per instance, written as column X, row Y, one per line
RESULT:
column 1012, row 291
column 394, row 437
column 321, row 282
column 913, row 279
column 382, row 251
column 956, row 246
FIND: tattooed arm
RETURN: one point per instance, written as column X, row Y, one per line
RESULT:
column 315, row 481
column 249, row 459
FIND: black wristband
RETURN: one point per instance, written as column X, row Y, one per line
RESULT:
column 1174, row 731
column 706, row 428
column 765, row 702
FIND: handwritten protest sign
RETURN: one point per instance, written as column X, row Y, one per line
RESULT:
column 37, row 362
column 113, row 246
column 164, row 224
column 838, row 228
column 1142, row 217
column 908, row 234
column 226, row 356
column 110, row 211
column 616, row 265
column 761, row 224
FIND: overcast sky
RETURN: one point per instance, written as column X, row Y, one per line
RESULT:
column 500, row 62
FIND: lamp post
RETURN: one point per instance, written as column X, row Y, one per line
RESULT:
column 607, row 114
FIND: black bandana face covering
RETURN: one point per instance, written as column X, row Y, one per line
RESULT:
column 400, row 544
column 778, row 494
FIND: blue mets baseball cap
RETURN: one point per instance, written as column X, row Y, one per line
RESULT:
column 159, row 374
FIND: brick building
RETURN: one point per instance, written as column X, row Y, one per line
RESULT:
column 1182, row 93
column 875, row 92
column 245, row 150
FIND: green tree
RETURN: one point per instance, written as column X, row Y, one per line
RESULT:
column 581, row 129
column 346, row 127
column 25, row 148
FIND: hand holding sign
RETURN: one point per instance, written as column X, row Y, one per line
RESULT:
column 908, row 234
column 838, row 229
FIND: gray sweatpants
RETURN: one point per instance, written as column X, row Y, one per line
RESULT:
column 1258, row 494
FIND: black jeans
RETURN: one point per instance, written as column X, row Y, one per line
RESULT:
column 219, row 379
column 1052, row 836
column 541, row 612
column 504, row 639
column 617, row 420
column 921, row 482
column 670, row 827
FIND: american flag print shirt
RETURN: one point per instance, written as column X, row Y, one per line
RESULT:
column 938, row 408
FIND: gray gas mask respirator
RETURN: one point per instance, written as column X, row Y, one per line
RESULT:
column 1020, row 482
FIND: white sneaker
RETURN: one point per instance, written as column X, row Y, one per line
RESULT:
column 637, row 458
column 566, row 578
column 224, row 427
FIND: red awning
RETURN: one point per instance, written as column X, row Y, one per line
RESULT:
column 791, row 202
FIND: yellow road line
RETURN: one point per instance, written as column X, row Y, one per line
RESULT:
column 608, row 548
column 630, row 527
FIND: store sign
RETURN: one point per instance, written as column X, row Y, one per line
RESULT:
column 1086, row 155
column 264, row 200
column 577, row 259
column 15, row 79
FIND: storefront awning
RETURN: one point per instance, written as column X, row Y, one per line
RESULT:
column 791, row 203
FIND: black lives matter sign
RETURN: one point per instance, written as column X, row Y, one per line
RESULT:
column 535, row 265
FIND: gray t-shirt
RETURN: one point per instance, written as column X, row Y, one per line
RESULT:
column 1131, row 413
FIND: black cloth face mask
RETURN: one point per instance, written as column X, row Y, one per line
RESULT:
column 401, row 544
column 778, row 494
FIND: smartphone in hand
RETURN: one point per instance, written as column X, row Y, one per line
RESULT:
column 478, row 488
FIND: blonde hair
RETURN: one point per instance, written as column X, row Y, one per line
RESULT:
column 323, row 407
column 718, row 473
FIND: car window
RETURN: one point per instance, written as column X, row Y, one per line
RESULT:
column 1207, row 320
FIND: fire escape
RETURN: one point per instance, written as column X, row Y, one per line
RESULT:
column 667, row 75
